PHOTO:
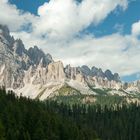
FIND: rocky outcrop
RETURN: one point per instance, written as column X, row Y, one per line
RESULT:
column 55, row 72
column 85, row 70
column 5, row 36
column 32, row 70
column 95, row 72
column 37, row 54
column 15, row 60
column 132, row 87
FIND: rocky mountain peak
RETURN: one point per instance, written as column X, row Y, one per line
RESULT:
column 4, row 30
column 5, row 36
column 37, row 54
column 117, row 77
column 71, row 72
column 100, row 73
column 56, row 71
column 33, row 70
column 49, row 57
column 85, row 70
column 18, row 47
column 109, row 75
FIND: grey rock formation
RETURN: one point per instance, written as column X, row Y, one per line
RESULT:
column 37, row 54
column 21, row 69
column 15, row 60
column 109, row 75
column 19, row 48
column 95, row 72
column 70, row 72
column 5, row 36
column 117, row 77
column 55, row 72
column 86, row 70
column 11, row 70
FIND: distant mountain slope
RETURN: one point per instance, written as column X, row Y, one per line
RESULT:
column 36, row 75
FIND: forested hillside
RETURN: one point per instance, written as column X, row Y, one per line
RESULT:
column 26, row 119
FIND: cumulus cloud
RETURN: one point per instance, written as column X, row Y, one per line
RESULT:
column 119, row 27
column 116, row 52
column 57, row 27
column 136, row 28
column 61, row 19
column 58, row 19
column 14, row 18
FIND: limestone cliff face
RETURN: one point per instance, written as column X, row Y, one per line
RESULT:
column 80, row 78
column 55, row 72
column 21, row 69
column 132, row 87
column 11, row 73
column 15, row 60
column 94, row 77
column 104, row 83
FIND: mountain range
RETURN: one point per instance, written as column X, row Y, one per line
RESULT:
column 34, row 74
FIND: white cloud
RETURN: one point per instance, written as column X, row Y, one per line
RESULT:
column 60, row 21
column 119, row 27
column 116, row 52
column 136, row 28
column 65, row 19
column 12, row 17
column 57, row 18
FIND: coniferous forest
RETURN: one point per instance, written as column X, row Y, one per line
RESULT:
column 25, row 119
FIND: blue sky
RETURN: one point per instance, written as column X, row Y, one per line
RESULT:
column 124, row 19
column 101, row 36
column 28, row 5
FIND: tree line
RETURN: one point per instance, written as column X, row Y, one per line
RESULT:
column 25, row 119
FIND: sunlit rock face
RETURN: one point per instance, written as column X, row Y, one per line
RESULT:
column 55, row 72
column 15, row 60
column 33, row 70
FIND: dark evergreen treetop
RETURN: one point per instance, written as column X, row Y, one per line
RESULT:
column 25, row 119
